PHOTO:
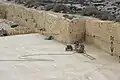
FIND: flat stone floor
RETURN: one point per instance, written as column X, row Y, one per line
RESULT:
column 30, row 57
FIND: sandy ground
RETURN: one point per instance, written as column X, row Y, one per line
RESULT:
column 30, row 57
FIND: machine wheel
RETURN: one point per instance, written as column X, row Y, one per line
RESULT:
column 65, row 49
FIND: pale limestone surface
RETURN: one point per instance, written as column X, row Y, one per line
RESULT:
column 52, row 67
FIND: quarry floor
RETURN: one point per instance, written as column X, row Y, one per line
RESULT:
column 30, row 57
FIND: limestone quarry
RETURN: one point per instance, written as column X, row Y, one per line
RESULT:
column 26, row 55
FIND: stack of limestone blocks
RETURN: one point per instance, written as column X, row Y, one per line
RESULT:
column 98, row 32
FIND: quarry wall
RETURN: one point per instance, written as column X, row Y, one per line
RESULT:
column 99, row 33
column 54, row 24
column 95, row 31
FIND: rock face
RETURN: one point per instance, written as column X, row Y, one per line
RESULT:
column 103, row 9
column 63, row 28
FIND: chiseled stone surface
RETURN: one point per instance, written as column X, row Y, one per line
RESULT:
column 55, row 66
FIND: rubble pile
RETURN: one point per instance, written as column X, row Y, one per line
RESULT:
column 11, row 28
column 4, row 26
column 103, row 9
